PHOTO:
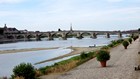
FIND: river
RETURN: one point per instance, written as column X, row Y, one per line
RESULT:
column 8, row 61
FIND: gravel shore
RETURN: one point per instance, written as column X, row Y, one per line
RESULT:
column 120, row 66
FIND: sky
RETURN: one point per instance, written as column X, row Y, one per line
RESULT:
column 49, row 15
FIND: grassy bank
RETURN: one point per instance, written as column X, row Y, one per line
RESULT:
column 68, row 64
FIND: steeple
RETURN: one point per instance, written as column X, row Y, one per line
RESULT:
column 5, row 26
column 71, row 27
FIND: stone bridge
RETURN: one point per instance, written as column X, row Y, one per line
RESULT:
column 61, row 34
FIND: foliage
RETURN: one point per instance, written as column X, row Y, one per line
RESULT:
column 103, row 55
column 130, row 40
column 125, row 44
column 113, row 44
column 135, row 37
column 83, row 55
column 139, row 29
column 91, row 54
column 120, row 40
column 105, row 47
column 19, row 77
column 24, row 70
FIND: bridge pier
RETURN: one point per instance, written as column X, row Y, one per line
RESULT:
column 94, row 35
column 28, row 37
column 50, row 37
column 79, row 36
column 107, row 35
column 25, row 38
column 120, row 35
column 38, row 37
column 64, row 37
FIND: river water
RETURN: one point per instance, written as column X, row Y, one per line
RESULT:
column 8, row 61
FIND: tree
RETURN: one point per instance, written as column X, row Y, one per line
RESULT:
column 24, row 70
column 139, row 29
column 59, row 29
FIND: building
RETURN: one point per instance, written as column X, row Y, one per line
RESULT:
column 10, row 30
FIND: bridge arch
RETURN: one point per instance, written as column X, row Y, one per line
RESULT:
column 43, row 35
column 11, row 36
column 20, row 36
column 29, row 36
column 70, row 35
column 85, row 34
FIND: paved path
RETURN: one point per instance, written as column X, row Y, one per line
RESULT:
column 120, row 66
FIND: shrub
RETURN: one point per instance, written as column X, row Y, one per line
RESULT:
column 125, row 44
column 135, row 37
column 114, row 42
column 91, row 54
column 24, row 70
column 130, row 40
column 83, row 55
column 120, row 40
column 103, row 55
column 19, row 77
column 105, row 47
column 110, row 45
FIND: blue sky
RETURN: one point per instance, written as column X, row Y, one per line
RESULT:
column 48, row 15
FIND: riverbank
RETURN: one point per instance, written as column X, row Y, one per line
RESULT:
column 76, row 50
column 121, row 61
column 24, row 50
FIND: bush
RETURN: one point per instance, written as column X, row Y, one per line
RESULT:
column 130, row 40
column 24, row 70
column 120, row 40
column 103, row 55
column 19, row 78
column 83, row 55
column 125, row 44
column 105, row 47
column 135, row 37
column 110, row 45
column 91, row 54
column 114, row 42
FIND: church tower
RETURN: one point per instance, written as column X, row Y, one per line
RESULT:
column 71, row 27
column 5, row 26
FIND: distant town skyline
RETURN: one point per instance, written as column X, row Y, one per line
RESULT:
column 50, row 15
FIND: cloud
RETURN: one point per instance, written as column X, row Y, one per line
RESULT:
column 51, row 14
column 10, row 1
